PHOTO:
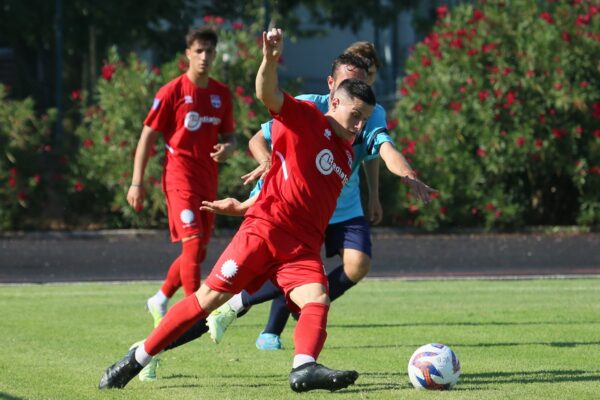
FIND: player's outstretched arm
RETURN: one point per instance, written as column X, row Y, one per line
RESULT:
column 228, row 206
column 136, row 192
column 259, row 147
column 375, row 212
column 222, row 151
column 267, row 84
column 397, row 164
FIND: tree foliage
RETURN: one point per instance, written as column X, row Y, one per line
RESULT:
column 500, row 111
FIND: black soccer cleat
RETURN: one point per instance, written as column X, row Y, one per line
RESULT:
column 120, row 373
column 312, row 376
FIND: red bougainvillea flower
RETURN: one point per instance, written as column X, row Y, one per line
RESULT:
column 76, row 95
column 546, row 16
column 478, row 15
column 78, row 186
column 539, row 143
column 182, row 64
column 442, row 11
column 108, row 71
column 392, row 123
column 455, row 106
column 88, row 143
column 238, row 26
column 520, row 141
column 596, row 110
column 481, row 152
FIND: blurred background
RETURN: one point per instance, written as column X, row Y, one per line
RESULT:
column 495, row 103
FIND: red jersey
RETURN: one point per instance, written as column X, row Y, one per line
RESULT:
column 310, row 165
column 190, row 119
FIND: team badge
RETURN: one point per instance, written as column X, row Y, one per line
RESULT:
column 192, row 121
column 327, row 134
column 215, row 100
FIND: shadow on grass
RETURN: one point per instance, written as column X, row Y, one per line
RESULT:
column 524, row 377
column 6, row 396
column 457, row 345
column 445, row 323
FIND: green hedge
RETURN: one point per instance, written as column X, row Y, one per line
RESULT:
column 500, row 111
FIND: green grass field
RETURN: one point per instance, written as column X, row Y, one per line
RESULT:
column 516, row 339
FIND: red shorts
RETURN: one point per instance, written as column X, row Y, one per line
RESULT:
column 185, row 217
column 258, row 252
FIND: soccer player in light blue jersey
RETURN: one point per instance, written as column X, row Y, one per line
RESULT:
column 348, row 234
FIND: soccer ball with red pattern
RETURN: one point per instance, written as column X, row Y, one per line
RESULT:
column 434, row 367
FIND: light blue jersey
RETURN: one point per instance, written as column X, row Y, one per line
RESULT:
column 366, row 146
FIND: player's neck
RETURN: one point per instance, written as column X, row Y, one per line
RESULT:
column 338, row 130
column 200, row 80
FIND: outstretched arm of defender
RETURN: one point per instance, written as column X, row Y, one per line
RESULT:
column 397, row 164
column 267, row 84
column 228, row 206
column 262, row 153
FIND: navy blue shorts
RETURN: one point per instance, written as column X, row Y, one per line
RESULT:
column 354, row 233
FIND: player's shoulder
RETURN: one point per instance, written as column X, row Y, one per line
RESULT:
column 219, row 86
column 171, row 87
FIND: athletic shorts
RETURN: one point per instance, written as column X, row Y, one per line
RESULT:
column 354, row 233
column 185, row 217
column 259, row 252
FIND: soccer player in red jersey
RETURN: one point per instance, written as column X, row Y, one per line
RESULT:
column 282, row 233
column 190, row 112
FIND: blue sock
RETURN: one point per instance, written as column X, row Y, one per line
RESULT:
column 267, row 292
column 338, row 283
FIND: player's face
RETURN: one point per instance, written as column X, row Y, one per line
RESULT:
column 345, row 72
column 201, row 55
column 351, row 115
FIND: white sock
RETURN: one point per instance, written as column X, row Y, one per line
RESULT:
column 236, row 303
column 141, row 356
column 159, row 298
column 301, row 359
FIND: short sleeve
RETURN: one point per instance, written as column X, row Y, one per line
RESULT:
column 160, row 117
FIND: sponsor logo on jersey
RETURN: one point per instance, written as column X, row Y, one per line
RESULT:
column 326, row 165
column 155, row 103
column 188, row 99
column 187, row 217
column 228, row 271
column 215, row 100
column 193, row 121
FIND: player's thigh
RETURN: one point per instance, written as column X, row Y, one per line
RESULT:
column 246, row 263
column 305, row 276
column 185, row 218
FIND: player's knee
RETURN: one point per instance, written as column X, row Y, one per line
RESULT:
column 210, row 299
column 357, row 265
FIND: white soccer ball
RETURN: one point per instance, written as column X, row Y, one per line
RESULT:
column 434, row 367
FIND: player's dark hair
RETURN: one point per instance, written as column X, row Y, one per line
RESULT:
column 351, row 61
column 365, row 50
column 202, row 34
column 355, row 88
